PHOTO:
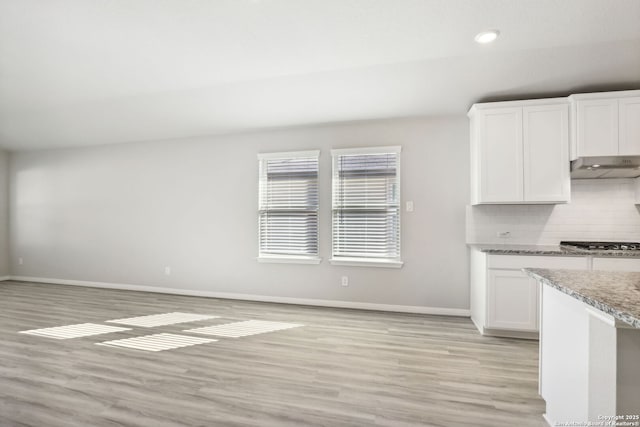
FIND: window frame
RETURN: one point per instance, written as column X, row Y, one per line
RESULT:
column 288, row 258
column 388, row 262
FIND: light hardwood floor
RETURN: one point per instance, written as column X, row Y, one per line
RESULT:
column 343, row 368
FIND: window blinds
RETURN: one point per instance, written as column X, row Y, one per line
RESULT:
column 288, row 204
column 366, row 203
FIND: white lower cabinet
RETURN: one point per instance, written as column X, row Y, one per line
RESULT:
column 504, row 300
column 512, row 301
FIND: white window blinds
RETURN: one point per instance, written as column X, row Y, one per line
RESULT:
column 288, row 204
column 366, row 203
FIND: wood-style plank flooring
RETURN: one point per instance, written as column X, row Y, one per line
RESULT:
column 343, row 368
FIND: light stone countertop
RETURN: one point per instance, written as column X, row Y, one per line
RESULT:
column 499, row 249
column 613, row 292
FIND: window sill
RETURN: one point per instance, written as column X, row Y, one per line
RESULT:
column 366, row 262
column 289, row 260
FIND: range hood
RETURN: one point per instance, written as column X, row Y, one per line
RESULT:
column 606, row 167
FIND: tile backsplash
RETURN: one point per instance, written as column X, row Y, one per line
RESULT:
column 600, row 209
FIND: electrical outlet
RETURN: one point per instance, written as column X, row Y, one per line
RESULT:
column 345, row 280
column 20, row 261
column 410, row 206
column 167, row 271
column 503, row 234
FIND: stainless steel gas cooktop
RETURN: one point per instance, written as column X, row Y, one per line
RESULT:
column 603, row 246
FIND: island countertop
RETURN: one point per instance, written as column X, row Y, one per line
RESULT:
column 613, row 292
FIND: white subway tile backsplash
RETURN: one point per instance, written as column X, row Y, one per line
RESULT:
column 599, row 210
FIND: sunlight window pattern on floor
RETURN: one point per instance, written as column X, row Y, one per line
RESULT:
column 157, row 342
column 74, row 331
column 243, row 329
column 162, row 319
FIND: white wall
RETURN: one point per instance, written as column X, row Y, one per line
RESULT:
column 600, row 209
column 121, row 213
column 4, row 213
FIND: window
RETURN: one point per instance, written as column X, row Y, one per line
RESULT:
column 366, row 206
column 288, row 207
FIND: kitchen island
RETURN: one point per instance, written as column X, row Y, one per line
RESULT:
column 589, row 346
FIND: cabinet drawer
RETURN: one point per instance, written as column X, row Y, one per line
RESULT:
column 517, row 262
column 616, row 264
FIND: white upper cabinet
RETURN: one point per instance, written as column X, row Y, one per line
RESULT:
column 500, row 139
column 520, row 152
column 546, row 153
column 629, row 120
column 597, row 127
column 606, row 124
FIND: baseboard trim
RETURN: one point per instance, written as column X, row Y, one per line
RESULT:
column 476, row 324
column 3, row 278
column 504, row 333
column 460, row 312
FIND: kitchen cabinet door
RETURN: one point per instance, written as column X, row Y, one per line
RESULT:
column 512, row 301
column 500, row 147
column 597, row 127
column 629, row 120
column 546, row 153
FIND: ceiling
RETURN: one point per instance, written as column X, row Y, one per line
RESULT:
column 83, row 72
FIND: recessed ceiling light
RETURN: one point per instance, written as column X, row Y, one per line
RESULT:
column 596, row 166
column 487, row 36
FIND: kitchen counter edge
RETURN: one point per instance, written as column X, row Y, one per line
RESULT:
column 567, row 288
column 553, row 250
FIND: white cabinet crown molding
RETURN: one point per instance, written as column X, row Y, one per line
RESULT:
column 604, row 95
column 520, row 103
